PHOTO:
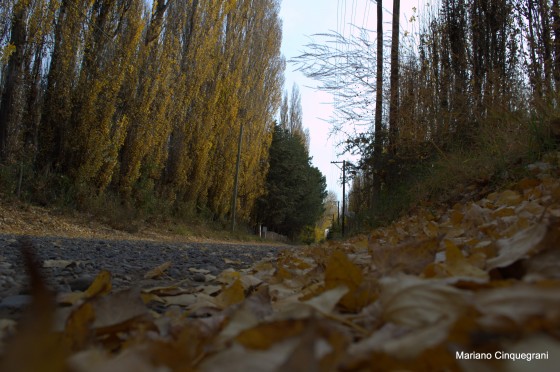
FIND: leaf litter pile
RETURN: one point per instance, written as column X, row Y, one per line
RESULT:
column 473, row 288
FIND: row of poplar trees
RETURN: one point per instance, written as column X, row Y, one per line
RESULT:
column 142, row 100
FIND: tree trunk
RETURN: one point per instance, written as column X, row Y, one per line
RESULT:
column 394, row 79
column 9, row 104
column 556, row 31
column 378, row 144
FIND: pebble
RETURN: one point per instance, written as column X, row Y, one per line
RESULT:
column 16, row 302
column 199, row 277
column 81, row 283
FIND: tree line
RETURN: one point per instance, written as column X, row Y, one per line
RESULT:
column 467, row 76
column 140, row 101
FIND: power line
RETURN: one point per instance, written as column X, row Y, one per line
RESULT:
column 366, row 15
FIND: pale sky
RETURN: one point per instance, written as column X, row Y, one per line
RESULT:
column 303, row 18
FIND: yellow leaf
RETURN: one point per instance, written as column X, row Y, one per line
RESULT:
column 457, row 265
column 264, row 335
column 77, row 330
column 456, row 217
column 148, row 297
column 509, row 197
column 340, row 271
column 157, row 271
column 503, row 212
column 228, row 276
column 528, row 183
column 431, row 229
column 100, row 286
column 231, row 295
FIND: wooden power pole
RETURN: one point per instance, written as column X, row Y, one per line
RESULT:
column 343, row 190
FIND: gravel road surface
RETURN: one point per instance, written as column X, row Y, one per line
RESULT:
column 72, row 264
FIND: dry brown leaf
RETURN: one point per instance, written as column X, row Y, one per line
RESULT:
column 326, row 301
column 340, row 271
column 528, row 183
column 231, row 295
column 230, row 261
column 457, row 265
column 118, row 310
column 265, row 334
column 238, row 358
column 416, row 302
column 158, row 270
column 518, row 246
column 423, row 312
column 431, row 229
column 185, row 299
column 228, row 276
column 544, row 265
column 95, row 360
column 252, row 311
column 250, row 281
column 508, row 308
column 537, row 344
column 509, row 198
column 77, row 329
column 100, row 286
column 401, row 342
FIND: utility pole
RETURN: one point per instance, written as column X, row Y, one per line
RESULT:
column 343, row 190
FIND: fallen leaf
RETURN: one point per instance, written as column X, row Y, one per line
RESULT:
column 509, row 198
column 232, row 294
column 546, row 347
column 228, row 276
column 250, row 281
column 77, row 330
column 525, row 243
column 131, row 359
column 231, row 262
column 60, row 264
column 264, row 335
column 185, row 299
column 117, row 310
column 252, row 311
column 158, row 270
column 340, row 271
column 416, row 302
column 326, row 301
column 196, row 270
column 239, row 358
column 100, row 286
column 457, row 265
column 508, row 308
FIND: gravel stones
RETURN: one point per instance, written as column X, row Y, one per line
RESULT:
column 71, row 264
